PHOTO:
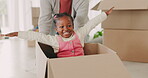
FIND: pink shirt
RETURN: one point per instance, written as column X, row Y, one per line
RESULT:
column 70, row 48
column 66, row 6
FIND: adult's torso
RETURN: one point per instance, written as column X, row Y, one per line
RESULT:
column 55, row 4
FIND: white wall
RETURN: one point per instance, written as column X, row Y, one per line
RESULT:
column 19, row 15
column 35, row 3
column 3, row 13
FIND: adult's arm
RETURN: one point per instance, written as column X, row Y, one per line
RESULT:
column 45, row 19
column 81, row 13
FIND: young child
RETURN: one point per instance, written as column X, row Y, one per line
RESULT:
column 69, row 42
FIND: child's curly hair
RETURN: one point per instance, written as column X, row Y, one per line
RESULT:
column 57, row 16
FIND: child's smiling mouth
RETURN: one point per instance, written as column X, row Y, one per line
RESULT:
column 66, row 33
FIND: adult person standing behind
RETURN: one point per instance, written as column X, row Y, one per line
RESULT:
column 78, row 9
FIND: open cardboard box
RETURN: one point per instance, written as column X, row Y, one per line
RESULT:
column 126, row 28
column 98, row 62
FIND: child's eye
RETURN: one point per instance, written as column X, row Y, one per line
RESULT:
column 69, row 25
column 61, row 26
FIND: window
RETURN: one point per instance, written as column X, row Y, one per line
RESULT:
column 3, row 13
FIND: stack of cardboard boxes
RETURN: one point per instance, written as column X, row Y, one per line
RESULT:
column 126, row 29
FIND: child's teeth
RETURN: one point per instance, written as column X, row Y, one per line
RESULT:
column 66, row 32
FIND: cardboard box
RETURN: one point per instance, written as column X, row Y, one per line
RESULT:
column 122, row 4
column 134, row 20
column 35, row 16
column 126, row 29
column 35, row 11
column 130, row 45
column 99, row 62
column 127, row 14
column 31, row 43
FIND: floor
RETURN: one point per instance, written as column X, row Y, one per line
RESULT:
column 17, row 60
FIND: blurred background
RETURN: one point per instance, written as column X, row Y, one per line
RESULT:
column 17, row 56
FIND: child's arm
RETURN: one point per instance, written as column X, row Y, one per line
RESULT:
column 31, row 35
column 94, row 22
column 10, row 34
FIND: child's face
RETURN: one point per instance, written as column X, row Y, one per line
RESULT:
column 64, row 26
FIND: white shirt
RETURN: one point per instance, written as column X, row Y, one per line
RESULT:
column 52, row 40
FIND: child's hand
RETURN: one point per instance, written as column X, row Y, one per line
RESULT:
column 1, row 35
column 109, row 11
column 10, row 34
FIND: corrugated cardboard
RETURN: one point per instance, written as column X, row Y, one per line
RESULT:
column 99, row 62
column 31, row 43
column 126, row 28
column 35, row 16
column 122, row 5
column 127, row 14
column 35, row 12
column 127, row 20
column 130, row 45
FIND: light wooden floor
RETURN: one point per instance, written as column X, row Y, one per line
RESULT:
column 17, row 60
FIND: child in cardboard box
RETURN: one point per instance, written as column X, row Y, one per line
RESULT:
column 69, row 42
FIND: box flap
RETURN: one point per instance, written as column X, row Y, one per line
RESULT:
column 122, row 5
column 41, row 62
column 49, row 72
column 93, row 48
column 90, row 49
column 91, row 66
column 127, row 20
